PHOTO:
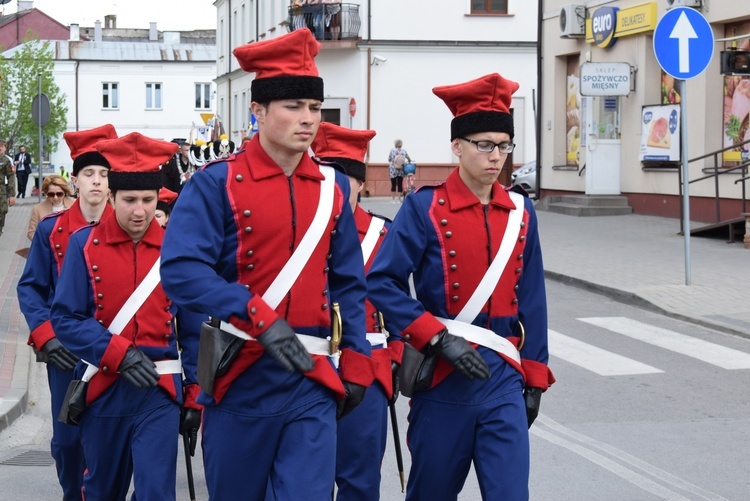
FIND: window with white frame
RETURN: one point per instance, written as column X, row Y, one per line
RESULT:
column 110, row 96
column 153, row 96
column 203, row 96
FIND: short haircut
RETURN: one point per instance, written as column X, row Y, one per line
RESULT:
column 398, row 143
column 58, row 181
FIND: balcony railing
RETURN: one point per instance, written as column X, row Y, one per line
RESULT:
column 326, row 21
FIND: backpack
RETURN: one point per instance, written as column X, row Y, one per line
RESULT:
column 398, row 162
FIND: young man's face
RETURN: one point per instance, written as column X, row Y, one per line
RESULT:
column 184, row 149
column 288, row 126
column 93, row 184
column 134, row 210
column 478, row 169
column 162, row 217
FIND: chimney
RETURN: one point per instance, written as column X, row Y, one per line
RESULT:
column 153, row 35
column 97, row 31
column 110, row 21
column 25, row 5
column 75, row 32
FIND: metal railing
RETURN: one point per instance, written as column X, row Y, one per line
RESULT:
column 331, row 21
column 718, row 171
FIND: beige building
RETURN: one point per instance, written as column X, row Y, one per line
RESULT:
column 610, row 117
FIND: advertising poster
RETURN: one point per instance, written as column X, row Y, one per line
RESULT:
column 736, row 118
column 660, row 133
column 572, row 113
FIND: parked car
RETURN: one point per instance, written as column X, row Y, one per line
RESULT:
column 525, row 176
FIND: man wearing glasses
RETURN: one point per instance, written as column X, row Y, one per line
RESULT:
column 36, row 290
column 480, row 314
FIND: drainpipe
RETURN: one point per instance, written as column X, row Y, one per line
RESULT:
column 77, row 107
column 229, row 65
column 369, row 24
column 539, row 93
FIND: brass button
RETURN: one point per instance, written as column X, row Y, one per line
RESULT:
column 101, row 322
column 57, row 246
column 96, row 241
column 518, row 270
column 407, row 337
column 59, row 254
column 247, row 213
column 329, row 256
column 261, row 324
column 249, row 253
column 97, row 279
column 333, row 232
column 95, row 268
column 100, row 295
column 168, row 322
column 382, row 232
column 238, row 177
column 252, row 310
column 515, row 301
column 324, row 306
column 336, row 217
column 105, row 369
column 520, row 256
column 167, row 336
column 515, row 288
column 522, row 238
column 325, row 270
column 250, row 266
column 454, row 298
column 325, row 292
column 523, row 223
column 166, row 308
column 100, row 306
column 59, row 228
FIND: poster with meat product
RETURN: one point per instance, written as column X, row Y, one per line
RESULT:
column 736, row 117
column 660, row 133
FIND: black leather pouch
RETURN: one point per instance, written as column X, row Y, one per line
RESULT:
column 216, row 352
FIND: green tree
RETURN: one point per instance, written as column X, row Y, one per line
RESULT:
column 20, row 68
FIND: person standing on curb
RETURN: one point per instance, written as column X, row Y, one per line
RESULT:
column 36, row 290
column 362, row 434
column 265, row 243
column 480, row 313
column 23, row 169
column 7, row 184
column 397, row 157
column 111, row 311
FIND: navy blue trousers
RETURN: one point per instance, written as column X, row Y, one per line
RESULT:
column 65, row 446
column 460, row 421
column 130, row 432
column 360, row 447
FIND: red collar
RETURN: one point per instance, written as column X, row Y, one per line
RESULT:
column 461, row 197
column 262, row 166
column 114, row 234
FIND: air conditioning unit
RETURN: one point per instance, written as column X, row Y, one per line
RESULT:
column 573, row 21
column 684, row 3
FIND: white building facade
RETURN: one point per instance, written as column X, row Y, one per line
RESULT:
column 379, row 75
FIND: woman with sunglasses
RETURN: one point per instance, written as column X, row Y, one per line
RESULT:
column 57, row 197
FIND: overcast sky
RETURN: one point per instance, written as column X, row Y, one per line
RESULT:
column 170, row 15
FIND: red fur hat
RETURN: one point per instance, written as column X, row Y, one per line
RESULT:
column 345, row 147
column 82, row 146
column 284, row 67
column 481, row 105
column 136, row 161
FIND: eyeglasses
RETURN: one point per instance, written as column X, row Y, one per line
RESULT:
column 487, row 146
column 55, row 194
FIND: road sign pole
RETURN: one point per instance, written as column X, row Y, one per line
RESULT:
column 39, row 156
column 685, row 179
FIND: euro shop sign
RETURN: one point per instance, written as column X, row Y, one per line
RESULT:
column 605, row 79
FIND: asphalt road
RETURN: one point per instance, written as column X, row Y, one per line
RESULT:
column 634, row 414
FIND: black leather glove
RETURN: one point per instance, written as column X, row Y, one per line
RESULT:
column 58, row 355
column 190, row 422
column 138, row 369
column 280, row 341
column 459, row 353
column 396, row 382
column 355, row 393
column 533, row 398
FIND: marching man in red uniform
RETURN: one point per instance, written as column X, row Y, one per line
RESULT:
column 36, row 289
column 111, row 311
column 265, row 242
column 362, row 434
column 472, row 246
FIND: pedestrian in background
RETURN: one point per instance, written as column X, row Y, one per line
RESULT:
column 57, row 197
column 471, row 402
column 22, row 161
column 361, row 436
column 396, row 160
column 164, row 205
column 7, row 184
column 273, row 273
column 38, row 282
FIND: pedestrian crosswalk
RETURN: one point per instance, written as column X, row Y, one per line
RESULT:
column 608, row 363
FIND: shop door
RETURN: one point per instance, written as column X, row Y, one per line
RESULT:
column 603, row 146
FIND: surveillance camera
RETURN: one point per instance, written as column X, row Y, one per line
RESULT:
column 376, row 60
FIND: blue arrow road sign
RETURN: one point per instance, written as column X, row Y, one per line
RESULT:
column 683, row 43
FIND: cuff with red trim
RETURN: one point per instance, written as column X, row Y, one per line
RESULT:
column 397, row 351
column 356, row 367
column 114, row 353
column 190, row 395
column 260, row 317
column 537, row 374
column 420, row 331
column 39, row 336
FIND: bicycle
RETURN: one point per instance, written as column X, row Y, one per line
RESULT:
column 409, row 186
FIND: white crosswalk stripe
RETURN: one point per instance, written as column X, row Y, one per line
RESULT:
column 595, row 359
column 705, row 351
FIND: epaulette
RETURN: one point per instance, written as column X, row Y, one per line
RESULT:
column 518, row 189
column 380, row 216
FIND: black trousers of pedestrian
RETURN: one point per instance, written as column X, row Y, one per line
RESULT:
column 23, row 177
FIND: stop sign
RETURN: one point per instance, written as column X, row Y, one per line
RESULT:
column 352, row 107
